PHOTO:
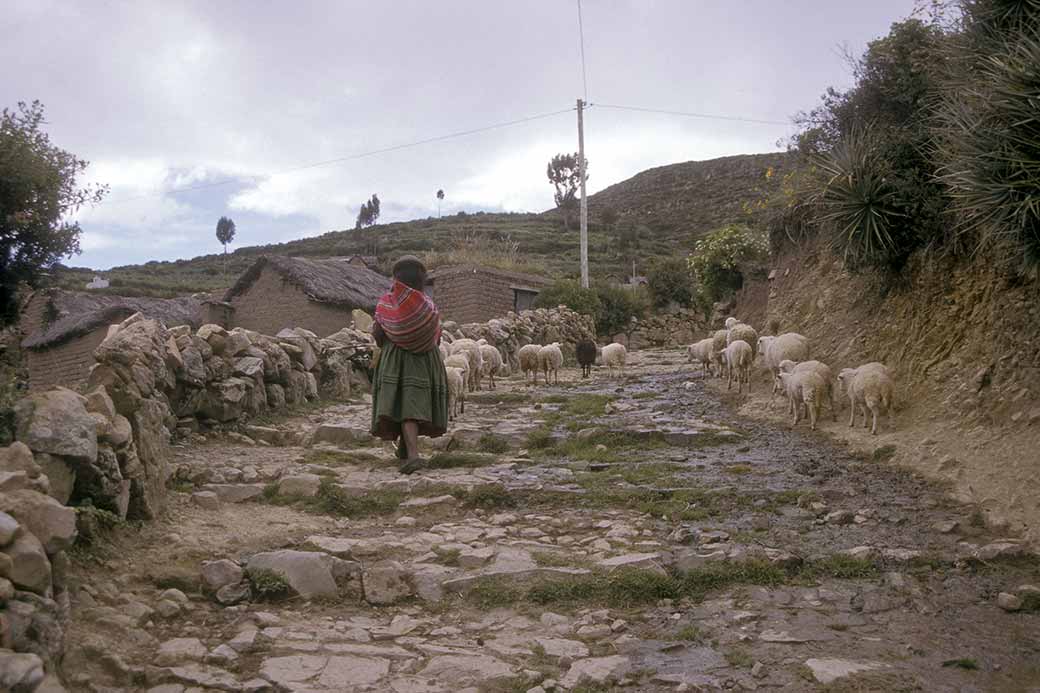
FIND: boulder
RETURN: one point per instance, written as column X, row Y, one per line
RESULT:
column 215, row 336
column 53, row 524
column 307, row 573
column 236, row 342
column 152, row 442
column 226, row 400
column 8, row 529
column 20, row 672
column 249, row 367
column 194, row 370
column 61, row 477
column 57, row 422
column 298, row 338
column 30, row 569
column 362, row 320
column 217, row 574
column 19, row 458
column 275, row 396
column 99, row 402
column 597, row 670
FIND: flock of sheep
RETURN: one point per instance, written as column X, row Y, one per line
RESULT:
column 468, row 362
column 807, row 384
column 729, row 353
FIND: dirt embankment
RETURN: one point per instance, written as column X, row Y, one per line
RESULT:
column 964, row 343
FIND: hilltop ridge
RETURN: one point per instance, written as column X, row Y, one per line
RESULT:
column 671, row 206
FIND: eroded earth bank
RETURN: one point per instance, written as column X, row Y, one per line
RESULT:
column 603, row 533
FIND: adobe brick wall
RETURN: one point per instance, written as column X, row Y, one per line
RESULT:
column 271, row 304
column 474, row 296
column 67, row 364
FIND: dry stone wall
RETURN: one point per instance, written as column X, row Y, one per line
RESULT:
column 539, row 326
column 107, row 452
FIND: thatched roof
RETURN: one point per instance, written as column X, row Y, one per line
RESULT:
column 518, row 278
column 332, row 281
column 76, row 313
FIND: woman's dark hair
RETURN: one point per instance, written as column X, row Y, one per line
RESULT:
column 412, row 275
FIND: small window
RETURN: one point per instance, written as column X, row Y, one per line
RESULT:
column 523, row 299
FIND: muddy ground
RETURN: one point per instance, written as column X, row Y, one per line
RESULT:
column 653, row 533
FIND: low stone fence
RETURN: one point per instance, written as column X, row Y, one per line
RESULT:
column 108, row 451
column 539, row 326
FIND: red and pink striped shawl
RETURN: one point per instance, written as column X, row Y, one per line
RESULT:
column 409, row 318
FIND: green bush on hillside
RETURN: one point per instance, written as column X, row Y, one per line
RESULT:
column 720, row 260
column 669, row 280
column 569, row 292
column 611, row 307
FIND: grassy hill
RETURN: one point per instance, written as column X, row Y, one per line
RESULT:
column 669, row 207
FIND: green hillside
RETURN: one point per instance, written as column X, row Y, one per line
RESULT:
column 663, row 209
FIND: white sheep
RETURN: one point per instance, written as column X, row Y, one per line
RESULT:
column 718, row 345
column 614, row 356
column 444, row 352
column 789, row 346
column 492, row 362
column 803, row 388
column 476, row 360
column 730, row 322
column 700, row 352
column 456, row 391
column 871, row 386
column 528, row 357
column 745, row 332
column 550, row 359
column 739, row 357
column 822, row 370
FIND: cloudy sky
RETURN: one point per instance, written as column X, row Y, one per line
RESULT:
column 164, row 96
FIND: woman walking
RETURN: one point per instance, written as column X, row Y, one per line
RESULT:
column 410, row 386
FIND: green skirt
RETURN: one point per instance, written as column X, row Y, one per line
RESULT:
column 409, row 386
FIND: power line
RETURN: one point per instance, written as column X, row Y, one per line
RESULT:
column 351, row 157
column 581, row 39
column 706, row 116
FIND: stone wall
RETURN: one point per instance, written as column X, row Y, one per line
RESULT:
column 108, row 451
column 272, row 304
column 66, row 364
column 539, row 326
column 678, row 328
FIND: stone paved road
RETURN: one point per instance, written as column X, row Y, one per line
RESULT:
column 594, row 535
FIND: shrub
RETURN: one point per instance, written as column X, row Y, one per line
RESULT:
column 669, row 280
column 617, row 307
column 720, row 260
column 267, row 584
column 989, row 132
column 568, row 292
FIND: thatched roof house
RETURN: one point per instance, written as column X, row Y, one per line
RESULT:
column 318, row 295
column 62, row 328
column 474, row 293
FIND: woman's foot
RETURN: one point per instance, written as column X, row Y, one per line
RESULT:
column 400, row 450
column 412, row 465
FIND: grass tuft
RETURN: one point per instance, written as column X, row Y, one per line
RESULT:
column 493, row 444
column 268, row 585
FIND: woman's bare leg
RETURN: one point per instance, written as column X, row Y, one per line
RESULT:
column 410, row 434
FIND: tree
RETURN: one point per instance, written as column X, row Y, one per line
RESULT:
column 368, row 214
column 38, row 194
column 565, row 177
column 225, row 234
column 440, row 196
column 669, row 280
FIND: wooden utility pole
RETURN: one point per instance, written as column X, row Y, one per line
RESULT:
column 584, row 203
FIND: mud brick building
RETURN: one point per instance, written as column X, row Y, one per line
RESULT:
column 61, row 329
column 279, row 292
column 471, row 293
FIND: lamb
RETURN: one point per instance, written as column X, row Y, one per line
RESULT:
column 456, row 391
column 585, row 352
column 550, row 358
column 730, row 322
column 872, row 387
column 701, row 353
column 745, row 332
column 614, row 356
column 803, row 388
column 739, row 357
column 492, row 362
column 528, row 357
column 476, row 360
column 822, row 370
column 718, row 345
column 789, row 346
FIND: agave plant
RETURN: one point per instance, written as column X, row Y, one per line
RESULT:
column 857, row 202
column 989, row 132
